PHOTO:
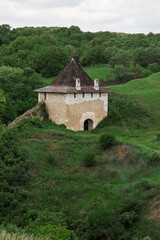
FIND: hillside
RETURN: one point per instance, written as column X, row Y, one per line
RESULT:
column 145, row 92
column 116, row 197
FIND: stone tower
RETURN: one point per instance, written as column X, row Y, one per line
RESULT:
column 74, row 99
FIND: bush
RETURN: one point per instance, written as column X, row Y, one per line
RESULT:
column 89, row 159
column 158, row 137
column 144, row 184
column 50, row 158
column 30, row 122
column 44, row 110
column 107, row 140
column 154, row 159
column 56, row 232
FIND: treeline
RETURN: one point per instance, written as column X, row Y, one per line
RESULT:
column 28, row 54
column 47, row 49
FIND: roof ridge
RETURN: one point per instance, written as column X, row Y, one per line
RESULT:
column 67, row 77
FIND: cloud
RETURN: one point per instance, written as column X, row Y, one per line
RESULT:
column 89, row 15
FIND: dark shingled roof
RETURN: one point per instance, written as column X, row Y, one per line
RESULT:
column 66, row 80
column 67, row 77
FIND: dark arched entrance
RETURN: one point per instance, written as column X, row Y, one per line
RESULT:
column 88, row 125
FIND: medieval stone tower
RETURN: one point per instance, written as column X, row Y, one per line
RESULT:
column 74, row 100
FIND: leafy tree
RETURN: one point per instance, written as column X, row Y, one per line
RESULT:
column 2, row 112
column 73, row 29
column 5, row 34
column 13, row 177
column 49, row 60
column 18, row 86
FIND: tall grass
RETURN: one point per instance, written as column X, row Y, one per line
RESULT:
column 18, row 236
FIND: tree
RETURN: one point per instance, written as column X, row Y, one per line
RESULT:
column 5, row 34
column 49, row 61
column 2, row 112
column 18, row 86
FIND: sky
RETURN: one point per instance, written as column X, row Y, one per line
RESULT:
column 129, row 16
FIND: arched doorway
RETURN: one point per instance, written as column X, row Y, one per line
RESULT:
column 88, row 125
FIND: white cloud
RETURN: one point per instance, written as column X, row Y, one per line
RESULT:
column 89, row 15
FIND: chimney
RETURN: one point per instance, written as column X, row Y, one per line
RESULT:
column 96, row 84
column 78, row 84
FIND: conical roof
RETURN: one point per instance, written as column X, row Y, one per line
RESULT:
column 67, row 77
column 65, row 82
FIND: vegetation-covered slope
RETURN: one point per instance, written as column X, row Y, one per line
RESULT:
column 49, row 181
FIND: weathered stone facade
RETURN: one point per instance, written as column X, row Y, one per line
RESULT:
column 73, row 109
column 74, row 99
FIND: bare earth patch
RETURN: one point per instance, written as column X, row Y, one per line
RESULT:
column 154, row 211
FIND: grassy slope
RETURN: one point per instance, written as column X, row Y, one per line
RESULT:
column 147, row 92
column 61, row 183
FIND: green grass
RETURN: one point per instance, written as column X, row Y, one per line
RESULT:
column 101, row 72
column 146, row 91
column 19, row 236
column 60, row 182
column 115, row 196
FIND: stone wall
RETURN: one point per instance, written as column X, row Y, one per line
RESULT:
column 73, row 109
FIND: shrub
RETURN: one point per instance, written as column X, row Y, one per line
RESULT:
column 145, row 238
column 144, row 184
column 154, row 159
column 50, row 158
column 89, row 159
column 56, row 232
column 30, row 122
column 158, row 137
column 44, row 111
column 107, row 140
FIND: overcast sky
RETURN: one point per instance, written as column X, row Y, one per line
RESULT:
column 130, row 16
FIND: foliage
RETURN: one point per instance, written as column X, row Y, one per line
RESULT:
column 18, row 86
column 49, row 60
column 89, row 158
column 44, row 110
column 107, row 140
column 56, row 232
column 2, row 112
column 47, row 50
column 13, row 168
column 29, row 122
column 42, row 179
column 2, row 105
column 154, row 159
column 125, row 111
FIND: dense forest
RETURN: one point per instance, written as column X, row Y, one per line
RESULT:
column 59, row 184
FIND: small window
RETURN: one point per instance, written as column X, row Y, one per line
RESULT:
column 100, row 94
column 83, row 94
column 74, row 95
column 91, row 95
column 45, row 96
